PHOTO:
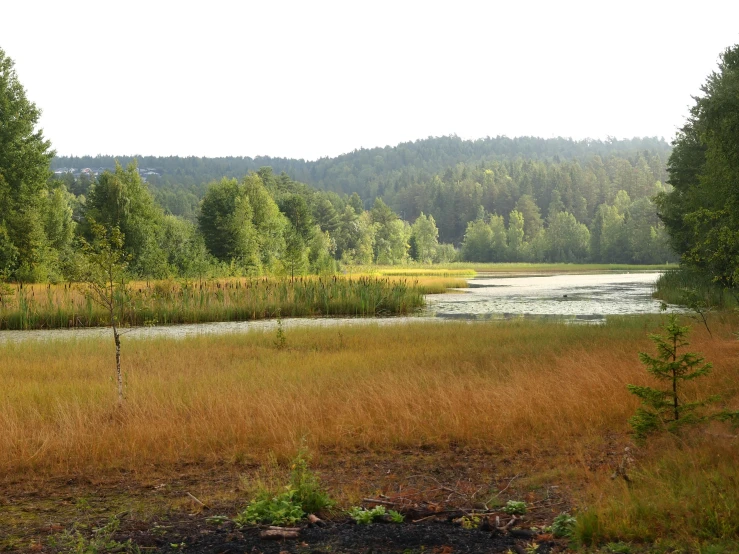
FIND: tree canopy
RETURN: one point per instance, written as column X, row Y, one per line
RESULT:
column 701, row 213
column 25, row 157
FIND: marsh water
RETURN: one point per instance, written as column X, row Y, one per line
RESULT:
column 580, row 298
column 574, row 298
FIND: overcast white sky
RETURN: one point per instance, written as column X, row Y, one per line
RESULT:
column 310, row 79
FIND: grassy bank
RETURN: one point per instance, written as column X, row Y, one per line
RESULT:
column 170, row 302
column 681, row 286
column 546, row 402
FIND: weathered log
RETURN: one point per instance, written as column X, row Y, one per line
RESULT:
column 277, row 533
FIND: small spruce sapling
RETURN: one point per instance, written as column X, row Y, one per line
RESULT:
column 280, row 339
column 667, row 408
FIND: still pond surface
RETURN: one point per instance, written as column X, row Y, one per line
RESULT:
column 588, row 297
column 581, row 298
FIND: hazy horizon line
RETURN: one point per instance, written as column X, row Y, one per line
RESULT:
column 359, row 149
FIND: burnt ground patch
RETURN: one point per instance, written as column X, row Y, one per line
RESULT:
column 433, row 536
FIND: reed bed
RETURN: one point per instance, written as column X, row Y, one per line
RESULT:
column 497, row 386
column 170, row 302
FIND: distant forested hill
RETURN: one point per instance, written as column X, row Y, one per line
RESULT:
column 374, row 172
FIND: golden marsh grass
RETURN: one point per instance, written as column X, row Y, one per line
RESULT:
column 496, row 386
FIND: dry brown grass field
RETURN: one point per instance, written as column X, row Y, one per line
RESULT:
column 545, row 400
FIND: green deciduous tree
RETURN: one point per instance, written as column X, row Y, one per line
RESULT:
column 531, row 216
column 269, row 223
column 120, row 199
column 24, row 169
column 425, row 237
column 499, row 245
column 516, row 244
column 567, row 240
column 321, row 250
column 226, row 223
column 296, row 210
column 105, row 277
column 478, row 240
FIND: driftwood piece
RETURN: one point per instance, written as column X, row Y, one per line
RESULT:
column 278, row 533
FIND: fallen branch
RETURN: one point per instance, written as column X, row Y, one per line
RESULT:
column 508, row 485
column 205, row 506
column 510, row 524
column 378, row 501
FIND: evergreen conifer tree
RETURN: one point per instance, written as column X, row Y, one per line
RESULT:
column 668, row 408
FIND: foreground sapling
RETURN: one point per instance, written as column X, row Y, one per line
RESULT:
column 668, row 408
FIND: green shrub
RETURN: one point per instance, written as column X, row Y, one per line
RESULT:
column 515, row 507
column 282, row 509
column 364, row 516
column 306, row 486
column 562, row 525
column 302, row 495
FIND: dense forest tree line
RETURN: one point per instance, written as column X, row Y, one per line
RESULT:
column 489, row 177
column 372, row 172
column 267, row 223
column 435, row 200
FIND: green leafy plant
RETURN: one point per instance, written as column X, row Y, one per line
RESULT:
column 667, row 409
column 515, row 507
column 364, row 516
column 302, row 495
column 563, row 525
column 281, row 509
column 395, row 517
column 308, row 492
